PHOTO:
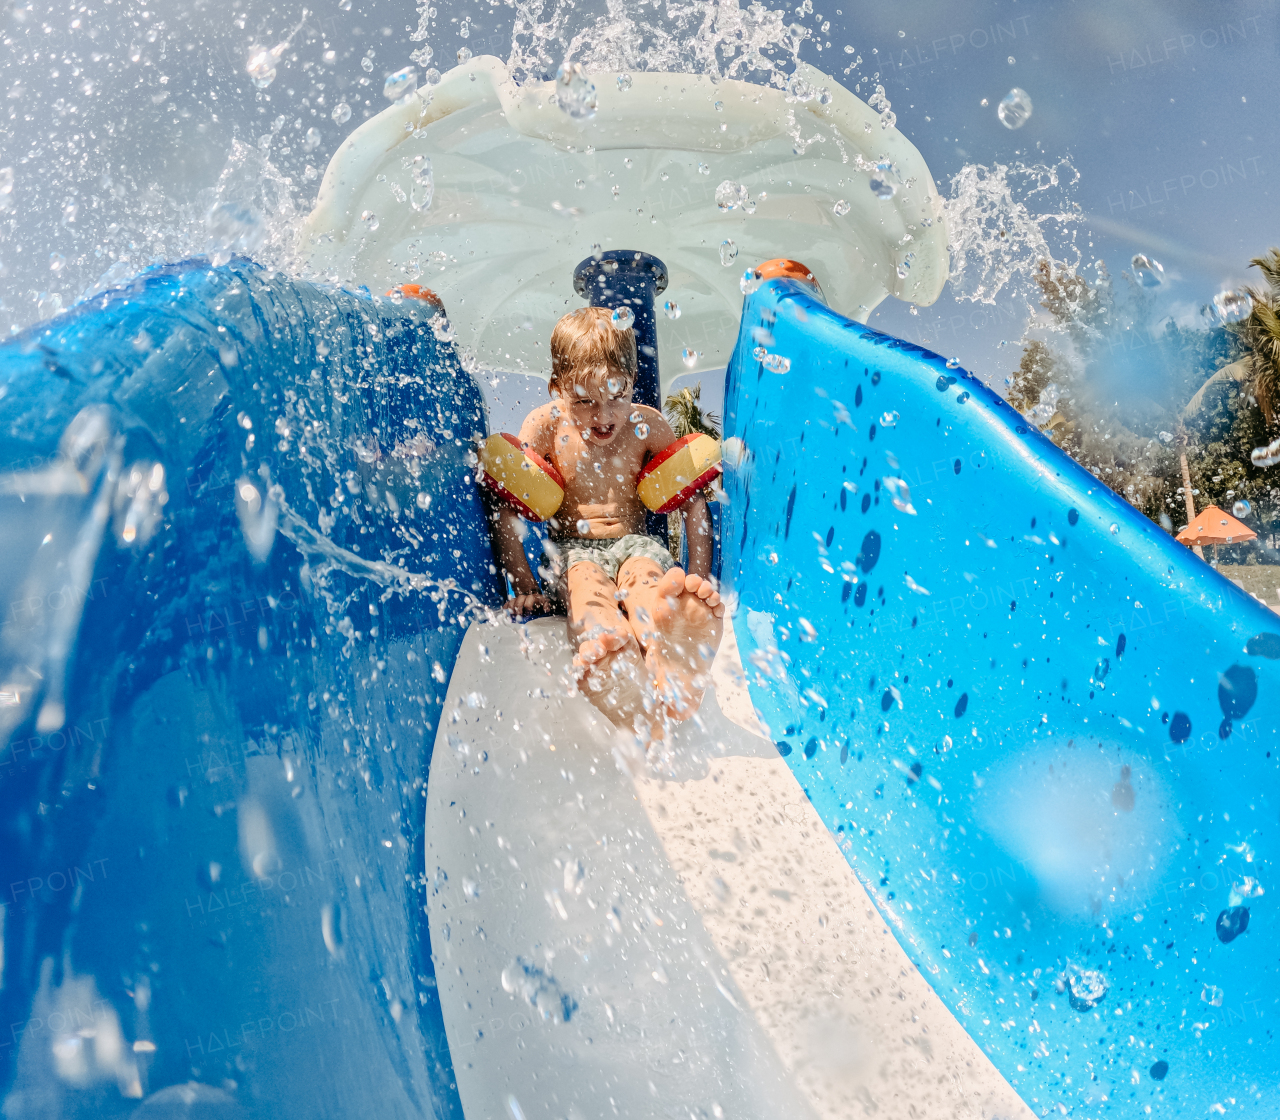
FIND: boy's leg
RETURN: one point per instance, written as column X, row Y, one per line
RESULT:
column 677, row 619
column 611, row 667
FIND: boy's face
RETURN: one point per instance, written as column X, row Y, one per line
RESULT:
column 598, row 404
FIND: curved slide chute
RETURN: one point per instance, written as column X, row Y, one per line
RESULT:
column 240, row 530
column 1040, row 730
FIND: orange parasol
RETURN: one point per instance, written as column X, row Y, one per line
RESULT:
column 1215, row 526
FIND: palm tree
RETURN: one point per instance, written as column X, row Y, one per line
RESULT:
column 1261, row 333
column 684, row 411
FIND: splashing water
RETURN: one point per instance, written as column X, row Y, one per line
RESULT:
column 997, row 241
column 692, row 37
column 623, row 318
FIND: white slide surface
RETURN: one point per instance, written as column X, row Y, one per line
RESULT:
column 609, row 942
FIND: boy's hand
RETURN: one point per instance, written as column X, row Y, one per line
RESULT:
column 522, row 606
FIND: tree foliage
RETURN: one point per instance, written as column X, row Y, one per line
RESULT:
column 1110, row 384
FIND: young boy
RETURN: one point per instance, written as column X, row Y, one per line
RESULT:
column 645, row 630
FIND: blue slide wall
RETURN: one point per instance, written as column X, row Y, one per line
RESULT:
column 218, row 711
column 1041, row 730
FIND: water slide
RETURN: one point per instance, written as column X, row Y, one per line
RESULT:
column 971, row 823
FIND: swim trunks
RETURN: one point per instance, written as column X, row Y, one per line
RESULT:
column 611, row 553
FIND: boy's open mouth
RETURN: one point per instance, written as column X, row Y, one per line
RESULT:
column 604, row 432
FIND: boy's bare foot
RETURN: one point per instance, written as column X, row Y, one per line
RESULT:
column 611, row 673
column 687, row 617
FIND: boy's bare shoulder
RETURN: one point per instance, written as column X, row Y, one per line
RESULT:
column 538, row 427
column 660, row 434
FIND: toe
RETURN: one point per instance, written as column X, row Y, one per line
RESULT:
column 590, row 652
column 612, row 640
column 693, row 583
column 672, row 583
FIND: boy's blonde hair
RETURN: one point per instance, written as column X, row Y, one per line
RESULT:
column 584, row 340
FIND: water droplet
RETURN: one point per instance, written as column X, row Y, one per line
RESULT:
column 56, row 262
column 672, row 309
column 623, row 318
column 464, row 55
column 703, row 169
column 888, row 419
column 370, row 220
column 800, row 90
column 613, row 384
column 366, row 64
column 341, row 113
column 262, row 67
column 597, row 253
column 881, row 183
column 400, row 84
column 1148, row 271
column 575, row 92
column 751, row 280
column 1087, row 987
column 6, row 189
column 431, row 77
column 1230, row 307
column 642, row 431
column 728, row 252
column 583, row 527
column 624, row 82
column 1231, row 923
column 841, row 208
column 689, row 357
column 1246, row 887
column 776, row 363
column 1014, row 109
column 953, row 363
column 1267, row 456
column 759, row 353
column 636, row 416
column 424, row 182
column 730, row 195
column 1012, row 60
column 1241, row 508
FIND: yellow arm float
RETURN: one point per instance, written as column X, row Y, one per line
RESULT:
column 678, row 472
column 522, row 478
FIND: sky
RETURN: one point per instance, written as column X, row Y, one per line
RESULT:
column 1158, row 117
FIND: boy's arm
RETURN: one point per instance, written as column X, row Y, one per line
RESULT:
column 697, row 531
column 508, row 532
column 508, row 540
column 697, row 518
